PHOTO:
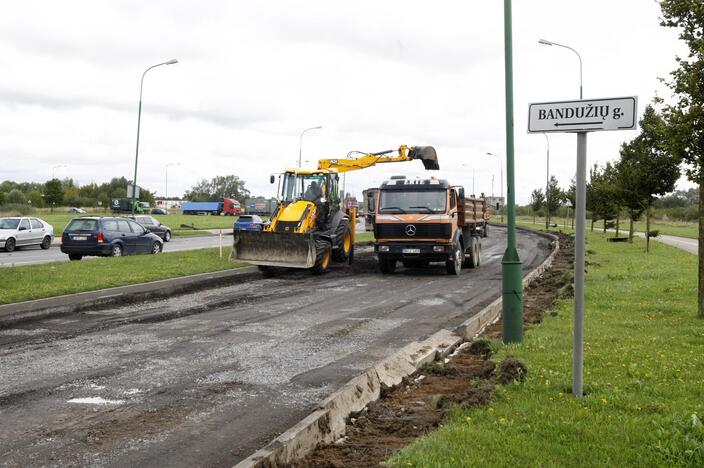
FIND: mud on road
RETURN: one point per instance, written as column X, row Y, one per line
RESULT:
column 205, row 378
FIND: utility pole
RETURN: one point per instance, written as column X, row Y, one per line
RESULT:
column 511, row 266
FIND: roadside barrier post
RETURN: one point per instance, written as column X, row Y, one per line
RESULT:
column 220, row 235
column 511, row 266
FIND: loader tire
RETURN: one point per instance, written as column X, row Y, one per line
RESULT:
column 323, row 256
column 343, row 242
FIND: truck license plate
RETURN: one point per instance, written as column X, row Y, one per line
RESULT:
column 80, row 237
column 411, row 251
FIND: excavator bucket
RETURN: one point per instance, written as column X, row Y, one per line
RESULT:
column 426, row 154
column 279, row 249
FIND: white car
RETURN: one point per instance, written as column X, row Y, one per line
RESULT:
column 22, row 231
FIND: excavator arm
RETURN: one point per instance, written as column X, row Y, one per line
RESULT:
column 426, row 154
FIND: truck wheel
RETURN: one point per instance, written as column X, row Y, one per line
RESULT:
column 323, row 255
column 479, row 252
column 471, row 261
column 343, row 241
column 454, row 265
column 485, row 231
column 387, row 266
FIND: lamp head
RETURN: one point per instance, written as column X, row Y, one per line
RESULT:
column 172, row 62
column 544, row 42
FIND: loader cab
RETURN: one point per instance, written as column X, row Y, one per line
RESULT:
column 314, row 186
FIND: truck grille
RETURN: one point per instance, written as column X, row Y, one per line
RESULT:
column 403, row 230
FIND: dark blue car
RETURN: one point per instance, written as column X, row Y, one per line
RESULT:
column 107, row 237
column 249, row 223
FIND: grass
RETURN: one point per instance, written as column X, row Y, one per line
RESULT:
column 25, row 283
column 643, row 377
column 672, row 228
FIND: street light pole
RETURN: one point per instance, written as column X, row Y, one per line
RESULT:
column 550, row 43
column 501, row 194
column 300, row 142
column 139, row 119
column 547, row 185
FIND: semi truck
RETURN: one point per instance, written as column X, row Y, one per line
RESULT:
column 124, row 205
column 419, row 221
column 260, row 205
column 227, row 207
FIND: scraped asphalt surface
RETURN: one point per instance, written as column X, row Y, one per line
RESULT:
column 205, row 379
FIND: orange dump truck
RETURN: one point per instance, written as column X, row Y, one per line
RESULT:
column 419, row 221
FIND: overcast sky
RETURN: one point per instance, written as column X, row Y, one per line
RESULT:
column 252, row 75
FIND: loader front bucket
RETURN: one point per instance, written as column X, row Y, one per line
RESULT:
column 277, row 249
column 426, row 154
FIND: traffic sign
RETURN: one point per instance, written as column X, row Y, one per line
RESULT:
column 586, row 115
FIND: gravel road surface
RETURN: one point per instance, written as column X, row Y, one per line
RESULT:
column 205, row 379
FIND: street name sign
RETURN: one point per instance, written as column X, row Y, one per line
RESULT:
column 586, row 115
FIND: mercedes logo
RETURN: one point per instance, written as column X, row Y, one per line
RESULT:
column 410, row 230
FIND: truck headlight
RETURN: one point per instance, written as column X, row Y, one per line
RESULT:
column 438, row 248
column 383, row 248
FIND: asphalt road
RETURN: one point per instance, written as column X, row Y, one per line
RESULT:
column 35, row 255
column 205, row 379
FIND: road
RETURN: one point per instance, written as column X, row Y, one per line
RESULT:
column 684, row 243
column 34, row 255
column 205, row 379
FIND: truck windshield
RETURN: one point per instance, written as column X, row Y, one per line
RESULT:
column 303, row 187
column 412, row 201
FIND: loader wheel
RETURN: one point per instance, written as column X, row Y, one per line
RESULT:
column 343, row 239
column 387, row 266
column 323, row 255
column 266, row 271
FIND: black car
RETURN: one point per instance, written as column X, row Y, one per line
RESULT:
column 159, row 211
column 153, row 225
column 107, row 237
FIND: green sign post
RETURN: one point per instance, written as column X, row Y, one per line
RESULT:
column 511, row 266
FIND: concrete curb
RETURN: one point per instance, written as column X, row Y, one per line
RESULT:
column 327, row 423
column 21, row 311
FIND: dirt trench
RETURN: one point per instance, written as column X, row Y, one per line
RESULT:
column 417, row 406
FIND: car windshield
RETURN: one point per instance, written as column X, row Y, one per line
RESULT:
column 82, row 225
column 303, row 187
column 412, row 201
column 9, row 223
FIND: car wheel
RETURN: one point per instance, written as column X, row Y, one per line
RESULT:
column 74, row 257
column 46, row 243
column 167, row 236
column 156, row 248
column 116, row 250
column 10, row 245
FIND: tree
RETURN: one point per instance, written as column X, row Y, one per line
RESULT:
column 570, row 196
column 685, row 118
column 553, row 196
column 536, row 201
column 36, row 198
column 218, row 188
column 602, row 193
column 53, row 193
column 17, row 197
column 2, row 198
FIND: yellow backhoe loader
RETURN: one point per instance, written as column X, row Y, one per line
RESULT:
column 308, row 228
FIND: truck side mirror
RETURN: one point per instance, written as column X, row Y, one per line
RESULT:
column 272, row 179
column 460, row 193
column 497, row 206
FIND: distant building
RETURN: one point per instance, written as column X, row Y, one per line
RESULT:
column 495, row 203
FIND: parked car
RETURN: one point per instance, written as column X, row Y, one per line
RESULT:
column 23, row 231
column 153, row 225
column 159, row 211
column 107, row 236
column 74, row 210
column 249, row 223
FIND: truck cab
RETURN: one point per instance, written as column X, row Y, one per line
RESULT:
column 419, row 221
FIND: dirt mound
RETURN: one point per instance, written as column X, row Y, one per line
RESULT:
column 480, row 347
column 512, row 369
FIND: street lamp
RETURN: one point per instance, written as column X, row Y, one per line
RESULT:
column 467, row 165
column 139, row 118
column 56, row 167
column 300, row 143
column 166, row 181
column 547, row 185
column 550, row 43
column 501, row 194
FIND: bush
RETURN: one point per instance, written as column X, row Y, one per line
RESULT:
column 17, row 209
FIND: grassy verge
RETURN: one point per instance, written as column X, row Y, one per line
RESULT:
column 54, row 279
column 643, row 377
column 672, row 228
column 191, row 233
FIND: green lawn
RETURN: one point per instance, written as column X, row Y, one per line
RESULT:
column 672, row 228
column 57, row 278
column 644, row 377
